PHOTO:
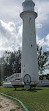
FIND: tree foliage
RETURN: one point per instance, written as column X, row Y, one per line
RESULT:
column 10, row 63
column 42, row 59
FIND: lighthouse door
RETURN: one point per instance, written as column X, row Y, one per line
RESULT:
column 27, row 81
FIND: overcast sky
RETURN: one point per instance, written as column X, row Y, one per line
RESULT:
column 11, row 24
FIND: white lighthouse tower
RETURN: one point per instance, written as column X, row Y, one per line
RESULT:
column 29, row 67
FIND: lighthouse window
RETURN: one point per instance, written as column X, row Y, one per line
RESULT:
column 29, row 19
column 31, row 45
column 24, row 65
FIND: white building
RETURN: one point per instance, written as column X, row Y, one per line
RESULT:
column 14, row 77
column 29, row 50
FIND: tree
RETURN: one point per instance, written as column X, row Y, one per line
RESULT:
column 42, row 59
column 15, row 62
column 10, row 63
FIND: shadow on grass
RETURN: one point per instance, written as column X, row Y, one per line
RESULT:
column 18, row 90
column 30, row 90
column 34, row 90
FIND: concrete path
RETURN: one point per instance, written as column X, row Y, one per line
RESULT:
column 8, row 105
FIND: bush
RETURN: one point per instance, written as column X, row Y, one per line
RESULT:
column 0, row 83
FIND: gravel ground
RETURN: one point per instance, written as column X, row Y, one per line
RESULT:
column 8, row 105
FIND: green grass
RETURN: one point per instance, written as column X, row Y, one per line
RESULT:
column 37, row 100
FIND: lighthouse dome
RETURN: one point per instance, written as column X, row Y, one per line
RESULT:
column 28, row 5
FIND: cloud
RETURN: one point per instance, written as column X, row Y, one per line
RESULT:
column 40, row 42
column 10, row 36
column 38, row 25
column 47, row 40
column 7, row 26
column 42, row 8
column 43, row 42
column 19, row 36
column 10, row 10
column 11, row 32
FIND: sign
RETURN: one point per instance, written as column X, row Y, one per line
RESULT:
column 27, row 81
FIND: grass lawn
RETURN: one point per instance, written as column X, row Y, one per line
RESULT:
column 34, row 100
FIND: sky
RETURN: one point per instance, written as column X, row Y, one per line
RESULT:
column 11, row 24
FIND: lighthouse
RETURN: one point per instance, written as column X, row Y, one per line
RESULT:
column 29, row 64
